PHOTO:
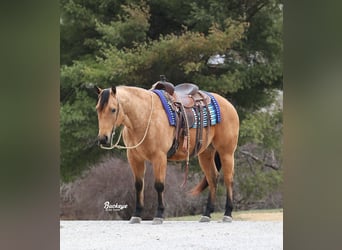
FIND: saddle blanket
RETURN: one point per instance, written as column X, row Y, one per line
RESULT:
column 213, row 107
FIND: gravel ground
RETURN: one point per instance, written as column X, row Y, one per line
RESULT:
column 86, row 235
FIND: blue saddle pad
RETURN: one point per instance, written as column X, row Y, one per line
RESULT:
column 213, row 107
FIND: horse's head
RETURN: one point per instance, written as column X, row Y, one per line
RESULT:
column 107, row 109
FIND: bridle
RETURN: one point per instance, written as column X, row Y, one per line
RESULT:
column 112, row 146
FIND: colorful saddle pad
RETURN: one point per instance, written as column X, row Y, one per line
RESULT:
column 213, row 107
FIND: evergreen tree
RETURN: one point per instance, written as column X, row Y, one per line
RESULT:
column 233, row 48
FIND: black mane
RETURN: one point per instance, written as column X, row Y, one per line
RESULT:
column 104, row 97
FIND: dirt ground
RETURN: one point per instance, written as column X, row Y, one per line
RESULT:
column 257, row 230
column 176, row 235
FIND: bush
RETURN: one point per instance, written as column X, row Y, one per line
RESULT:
column 258, row 178
column 112, row 180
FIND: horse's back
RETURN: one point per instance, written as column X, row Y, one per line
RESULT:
column 228, row 111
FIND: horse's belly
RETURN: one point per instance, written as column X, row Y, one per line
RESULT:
column 182, row 152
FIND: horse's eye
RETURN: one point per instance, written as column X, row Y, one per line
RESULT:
column 113, row 110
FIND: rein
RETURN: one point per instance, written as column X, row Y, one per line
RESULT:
column 128, row 147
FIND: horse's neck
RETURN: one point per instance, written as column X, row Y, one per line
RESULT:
column 135, row 103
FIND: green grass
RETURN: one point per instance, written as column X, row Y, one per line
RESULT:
column 237, row 215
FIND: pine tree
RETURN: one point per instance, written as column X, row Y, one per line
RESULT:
column 233, row 48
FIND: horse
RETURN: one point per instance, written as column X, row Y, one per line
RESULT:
column 148, row 136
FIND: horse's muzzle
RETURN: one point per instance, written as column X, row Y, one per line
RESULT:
column 103, row 140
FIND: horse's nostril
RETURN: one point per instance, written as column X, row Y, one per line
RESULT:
column 103, row 139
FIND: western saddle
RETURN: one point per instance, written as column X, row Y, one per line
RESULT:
column 188, row 102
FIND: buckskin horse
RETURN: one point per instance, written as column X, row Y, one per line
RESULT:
column 148, row 136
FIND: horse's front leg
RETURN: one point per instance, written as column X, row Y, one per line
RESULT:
column 159, row 168
column 138, row 168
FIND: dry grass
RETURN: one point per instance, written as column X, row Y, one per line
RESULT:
column 262, row 215
column 251, row 215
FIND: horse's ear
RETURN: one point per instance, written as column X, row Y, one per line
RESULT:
column 113, row 90
column 97, row 89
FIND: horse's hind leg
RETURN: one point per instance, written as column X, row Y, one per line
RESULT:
column 206, row 160
column 138, row 168
column 227, row 161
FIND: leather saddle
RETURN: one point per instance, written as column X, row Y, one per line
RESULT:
column 186, row 100
column 186, row 93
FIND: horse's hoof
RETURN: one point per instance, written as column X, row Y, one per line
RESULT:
column 227, row 219
column 204, row 219
column 135, row 220
column 157, row 221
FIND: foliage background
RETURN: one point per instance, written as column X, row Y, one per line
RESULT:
column 233, row 48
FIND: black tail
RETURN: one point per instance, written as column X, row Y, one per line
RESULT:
column 203, row 184
column 218, row 162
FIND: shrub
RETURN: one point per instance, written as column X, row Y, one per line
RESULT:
column 112, row 180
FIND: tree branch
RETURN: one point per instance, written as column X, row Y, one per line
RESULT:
column 253, row 10
column 255, row 158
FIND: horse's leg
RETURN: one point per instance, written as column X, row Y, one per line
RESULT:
column 206, row 160
column 159, row 168
column 138, row 168
column 227, row 161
